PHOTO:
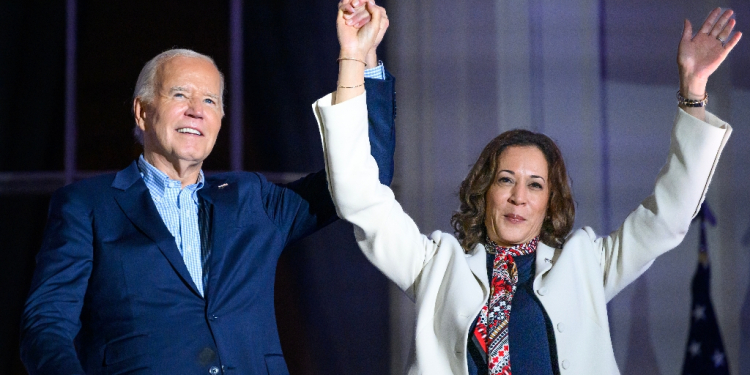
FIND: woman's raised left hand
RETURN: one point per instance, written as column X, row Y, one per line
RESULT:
column 700, row 55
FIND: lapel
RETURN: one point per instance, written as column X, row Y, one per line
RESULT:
column 219, row 203
column 134, row 199
column 545, row 258
column 477, row 261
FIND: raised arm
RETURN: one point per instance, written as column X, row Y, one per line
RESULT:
column 386, row 234
column 381, row 96
column 305, row 205
column 661, row 221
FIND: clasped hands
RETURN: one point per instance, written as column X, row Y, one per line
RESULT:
column 361, row 25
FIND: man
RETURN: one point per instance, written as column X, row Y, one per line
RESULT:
column 158, row 269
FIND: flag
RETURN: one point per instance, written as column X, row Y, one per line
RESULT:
column 704, row 353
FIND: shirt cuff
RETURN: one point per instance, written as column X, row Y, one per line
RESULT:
column 377, row 72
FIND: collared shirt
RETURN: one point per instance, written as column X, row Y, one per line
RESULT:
column 178, row 208
column 377, row 72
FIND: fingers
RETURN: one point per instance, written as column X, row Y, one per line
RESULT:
column 349, row 6
column 722, row 23
column 710, row 21
column 359, row 18
column 355, row 12
column 376, row 12
column 687, row 30
column 723, row 34
column 384, row 23
column 729, row 44
column 346, row 6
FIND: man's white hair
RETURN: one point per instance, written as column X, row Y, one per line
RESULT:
column 146, row 86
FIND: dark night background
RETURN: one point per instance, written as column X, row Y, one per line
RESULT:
column 290, row 50
column 598, row 76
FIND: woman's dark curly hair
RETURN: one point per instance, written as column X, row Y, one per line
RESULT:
column 468, row 221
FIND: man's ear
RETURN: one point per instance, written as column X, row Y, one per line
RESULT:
column 140, row 112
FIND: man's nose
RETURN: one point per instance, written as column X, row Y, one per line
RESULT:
column 196, row 108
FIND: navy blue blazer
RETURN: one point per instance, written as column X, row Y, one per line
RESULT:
column 111, row 293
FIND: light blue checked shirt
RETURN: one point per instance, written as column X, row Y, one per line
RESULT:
column 377, row 72
column 178, row 209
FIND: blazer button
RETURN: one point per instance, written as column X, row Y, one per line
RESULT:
column 213, row 370
column 560, row 327
column 542, row 291
column 565, row 364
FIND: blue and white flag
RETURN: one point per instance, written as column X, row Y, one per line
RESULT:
column 705, row 353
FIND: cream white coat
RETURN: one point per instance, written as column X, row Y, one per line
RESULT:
column 573, row 284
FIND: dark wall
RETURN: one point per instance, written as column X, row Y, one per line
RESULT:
column 331, row 304
column 32, row 84
column 645, row 33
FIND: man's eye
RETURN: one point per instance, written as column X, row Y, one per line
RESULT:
column 179, row 95
column 209, row 101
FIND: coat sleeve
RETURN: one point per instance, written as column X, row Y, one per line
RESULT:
column 51, row 317
column 306, row 203
column 662, row 220
column 386, row 234
column 381, row 113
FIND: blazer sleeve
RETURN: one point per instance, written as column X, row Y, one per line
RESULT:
column 306, row 203
column 51, row 317
column 381, row 112
column 662, row 220
column 388, row 237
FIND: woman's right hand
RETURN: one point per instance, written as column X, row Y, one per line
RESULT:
column 358, row 41
column 356, row 45
column 356, row 14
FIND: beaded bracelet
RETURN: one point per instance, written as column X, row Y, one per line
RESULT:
column 681, row 100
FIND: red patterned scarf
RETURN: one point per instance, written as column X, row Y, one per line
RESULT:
column 491, row 331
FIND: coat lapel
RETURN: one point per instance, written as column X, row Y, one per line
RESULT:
column 219, row 198
column 477, row 261
column 545, row 258
column 135, row 201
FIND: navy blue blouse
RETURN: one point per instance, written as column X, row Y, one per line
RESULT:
column 530, row 333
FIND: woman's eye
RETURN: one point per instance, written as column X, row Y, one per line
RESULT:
column 536, row 185
column 505, row 180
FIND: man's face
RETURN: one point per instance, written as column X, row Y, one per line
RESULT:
column 180, row 126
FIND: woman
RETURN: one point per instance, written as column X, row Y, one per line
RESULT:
column 513, row 245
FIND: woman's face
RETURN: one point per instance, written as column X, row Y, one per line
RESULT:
column 516, row 202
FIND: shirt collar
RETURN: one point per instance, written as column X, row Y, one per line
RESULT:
column 158, row 181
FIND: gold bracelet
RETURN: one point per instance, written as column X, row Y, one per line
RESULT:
column 351, row 58
column 351, row 87
column 681, row 100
